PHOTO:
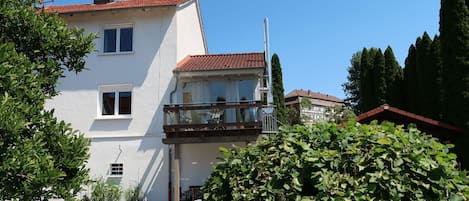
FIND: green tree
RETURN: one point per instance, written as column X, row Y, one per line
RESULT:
column 365, row 83
column 278, row 91
column 352, row 86
column 328, row 162
column 433, row 87
column 410, row 75
column 394, row 79
column 339, row 114
column 422, row 69
column 379, row 80
column 454, row 39
column 40, row 157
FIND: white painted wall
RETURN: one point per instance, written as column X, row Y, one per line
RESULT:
column 135, row 141
column 148, row 69
column 197, row 161
column 190, row 36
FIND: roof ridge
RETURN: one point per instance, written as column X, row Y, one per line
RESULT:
column 116, row 5
column 226, row 54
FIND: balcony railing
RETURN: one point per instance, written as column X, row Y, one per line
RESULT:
column 213, row 119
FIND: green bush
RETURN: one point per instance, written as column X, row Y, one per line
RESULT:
column 104, row 191
column 134, row 194
column 328, row 162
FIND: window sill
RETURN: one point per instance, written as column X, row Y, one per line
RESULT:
column 114, row 117
column 115, row 176
column 115, row 53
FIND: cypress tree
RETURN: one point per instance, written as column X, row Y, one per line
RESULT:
column 393, row 79
column 454, row 38
column 364, row 86
column 352, row 86
column 278, row 91
column 422, row 76
column 367, row 92
column 433, row 88
column 379, row 80
column 409, row 79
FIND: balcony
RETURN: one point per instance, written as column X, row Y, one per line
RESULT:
column 213, row 122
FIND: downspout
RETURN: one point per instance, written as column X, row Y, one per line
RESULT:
column 170, row 147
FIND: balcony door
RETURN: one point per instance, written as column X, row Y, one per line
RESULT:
column 217, row 91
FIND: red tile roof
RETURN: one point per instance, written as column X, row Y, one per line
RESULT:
column 121, row 4
column 221, row 62
column 313, row 95
column 398, row 116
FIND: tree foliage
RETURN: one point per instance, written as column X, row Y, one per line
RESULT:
column 374, row 79
column 422, row 75
column 278, row 91
column 393, row 78
column 328, row 162
column 454, row 39
column 352, row 86
column 40, row 156
column 43, row 38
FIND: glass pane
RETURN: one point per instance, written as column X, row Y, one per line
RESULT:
column 217, row 92
column 108, row 103
column 126, row 39
column 110, row 36
column 125, row 99
column 246, row 90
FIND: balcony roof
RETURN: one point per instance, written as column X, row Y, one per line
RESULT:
column 212, row 62
column 122, row 4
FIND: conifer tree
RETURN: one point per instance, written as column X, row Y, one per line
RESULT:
column 393, row 79
column 454, row 39
column 278, row 91
column 433, row 87
column 422, row 69
column 379, row 80
column 352, row 86
column 410, row 85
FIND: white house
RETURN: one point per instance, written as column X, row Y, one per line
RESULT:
column 154, row 103
column 311, row 106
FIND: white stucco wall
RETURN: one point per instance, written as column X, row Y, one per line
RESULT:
column 148, row 69
column 197, row 161
column 137, row 141
column 190, row 36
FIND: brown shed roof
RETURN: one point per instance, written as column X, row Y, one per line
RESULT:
column 438, row 129
column 314, row 95
column 122, row 4
column 221, row 62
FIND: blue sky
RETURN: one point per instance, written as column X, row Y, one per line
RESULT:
column 315, row 39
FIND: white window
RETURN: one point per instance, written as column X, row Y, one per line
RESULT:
column 116, row 169
column 115, row 101
column 118, row 38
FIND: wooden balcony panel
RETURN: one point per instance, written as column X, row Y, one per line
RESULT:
column 181, row 126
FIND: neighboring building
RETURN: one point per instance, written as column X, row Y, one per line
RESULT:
column 311, row 106
column 154, row 104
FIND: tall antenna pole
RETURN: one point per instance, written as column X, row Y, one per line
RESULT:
column 270, row 98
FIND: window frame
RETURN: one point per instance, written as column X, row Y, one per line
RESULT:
column 118, row 28
column 114, row 88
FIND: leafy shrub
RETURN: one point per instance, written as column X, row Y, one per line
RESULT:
column 328, row 162
column 104, row 191
column 134, row 194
